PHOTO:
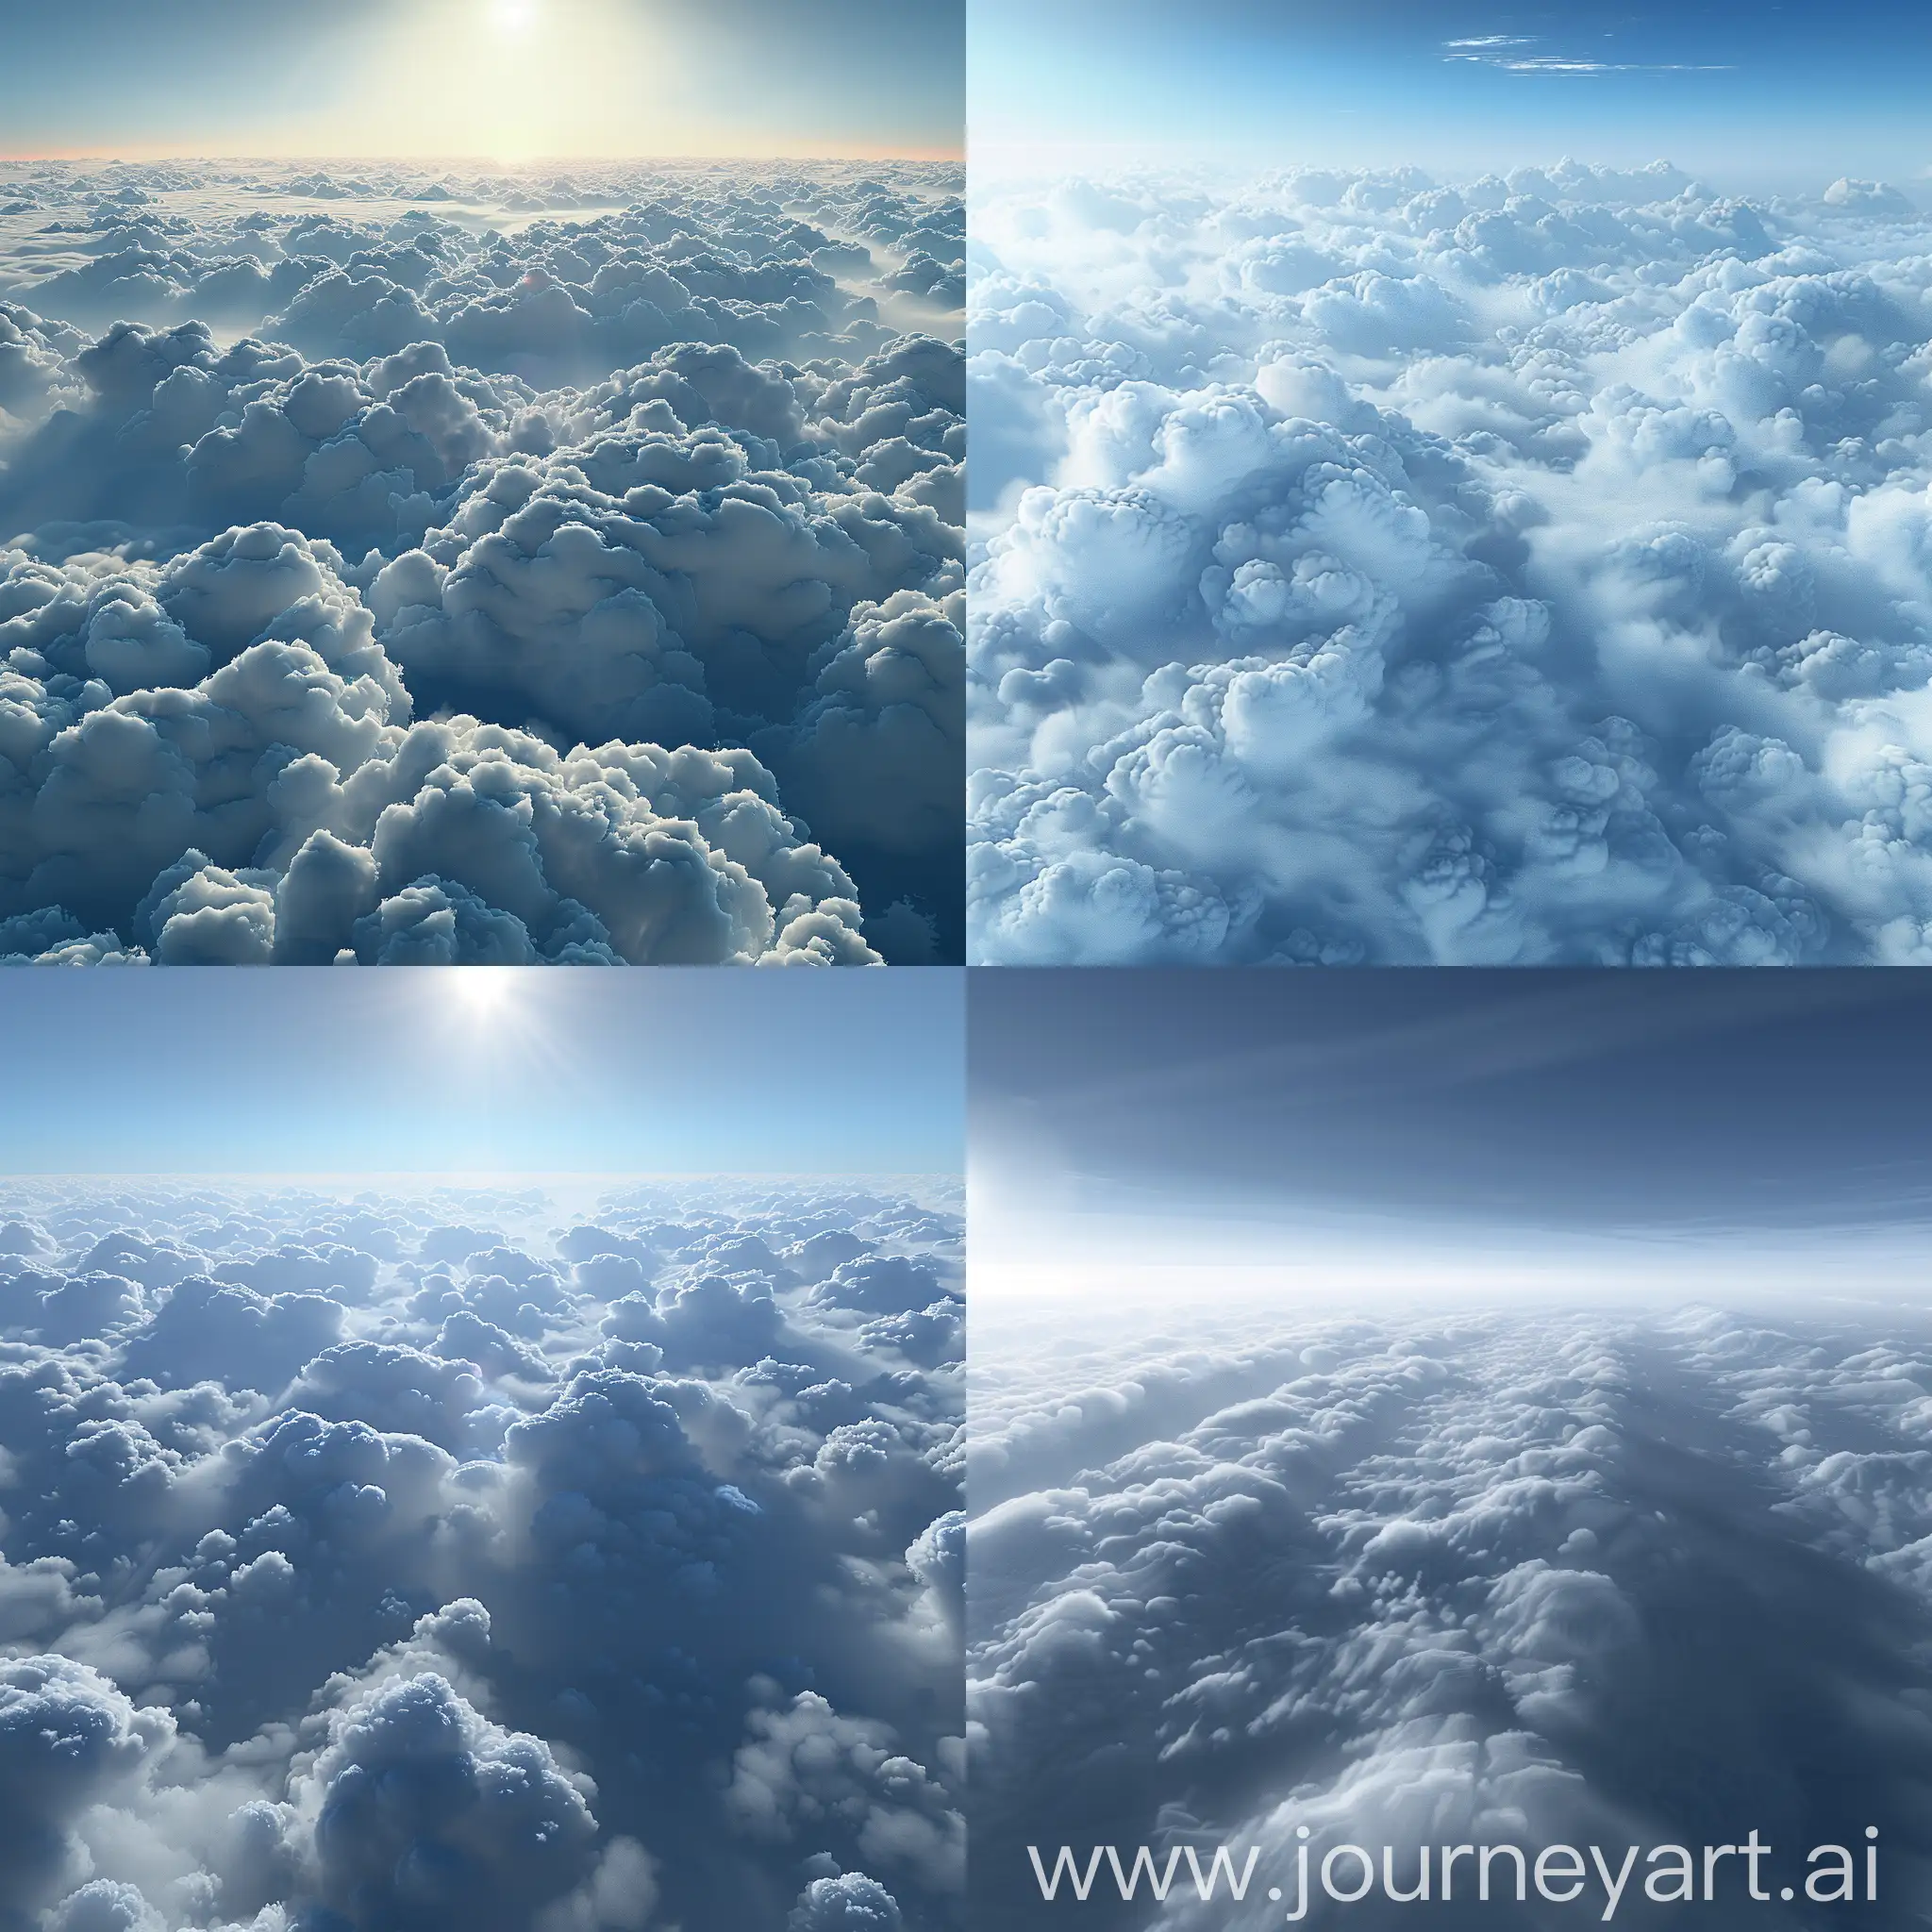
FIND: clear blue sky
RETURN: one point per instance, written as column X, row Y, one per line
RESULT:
column 510, row 79
column 1735, row 1127
column 1772, row 90
column 479, row 1070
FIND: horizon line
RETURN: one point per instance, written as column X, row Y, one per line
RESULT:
column 493, row 1176
column 494, row 162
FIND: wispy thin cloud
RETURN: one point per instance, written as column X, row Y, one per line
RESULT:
column 1496, row 50
column 1550, row 63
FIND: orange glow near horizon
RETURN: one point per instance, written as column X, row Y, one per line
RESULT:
column 107, row 156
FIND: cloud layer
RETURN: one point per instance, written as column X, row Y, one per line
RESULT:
column 1525, row 569
column 1533, row 1577
column 411, row 567
column 480, row 1557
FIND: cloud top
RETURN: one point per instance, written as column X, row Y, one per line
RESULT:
column 1561, row 1578
column 1518, row 570
column 480, row 571
column 480, row 1555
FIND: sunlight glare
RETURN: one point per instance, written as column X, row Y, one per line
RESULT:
column 482, row 993
column 513, row 19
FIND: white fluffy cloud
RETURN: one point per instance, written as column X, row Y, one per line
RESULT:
column 478, row 1557
column 1530, row 1577
column 1515, row 571
column 614, row 488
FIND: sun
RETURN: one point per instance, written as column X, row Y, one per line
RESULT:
column 483, row 993
column 513, row 19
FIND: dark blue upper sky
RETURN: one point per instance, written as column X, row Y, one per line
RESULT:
column 479, row 1070
column 1720, row 1115
column 1771, row 92
column 510, row 79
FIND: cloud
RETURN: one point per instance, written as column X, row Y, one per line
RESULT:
column 1499, row 50
column 429, row 1812
column 281, row 485
column 1521, row 569
column 362, row 1561
column 68, row 1737
column 1536, row 1577
column 850, row 1902
column 806, row 1766
column 1554, row 63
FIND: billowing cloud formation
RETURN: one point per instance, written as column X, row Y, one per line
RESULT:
column 481, row 571
column 1530, row 1579
column 481, row 1558
column 1519, row 571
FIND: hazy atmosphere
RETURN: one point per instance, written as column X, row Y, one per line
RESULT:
column 1412, row 1409
column 570, row 1544
column 473, row 529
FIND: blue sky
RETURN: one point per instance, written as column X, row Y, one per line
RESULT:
column 1773, row 93
column 298, row 1071
column 510, row 79
column 1721, row 1128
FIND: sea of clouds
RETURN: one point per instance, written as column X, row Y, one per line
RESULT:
column 494, row 1558
column 408, row 566
column 1528, row 1577
column 1519, row 570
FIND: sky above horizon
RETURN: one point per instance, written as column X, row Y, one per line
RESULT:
column 481, row 1070
column 1551, row 1132
column 509, row 81
column 1769, row 95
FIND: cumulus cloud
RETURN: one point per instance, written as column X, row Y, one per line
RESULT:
column 1532, row 1577
column 850, row 1902
column 1521, row 569
column 480, row 1556
column 645, row 491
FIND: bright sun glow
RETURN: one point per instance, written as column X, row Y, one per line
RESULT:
column 450, row 81
column 497, row 1027
column 484, row 992
column 513, row 18
column 516, row 80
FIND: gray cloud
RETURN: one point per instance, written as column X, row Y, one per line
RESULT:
column 1535, row 1577
column 362, row 1564
column 287, row 486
